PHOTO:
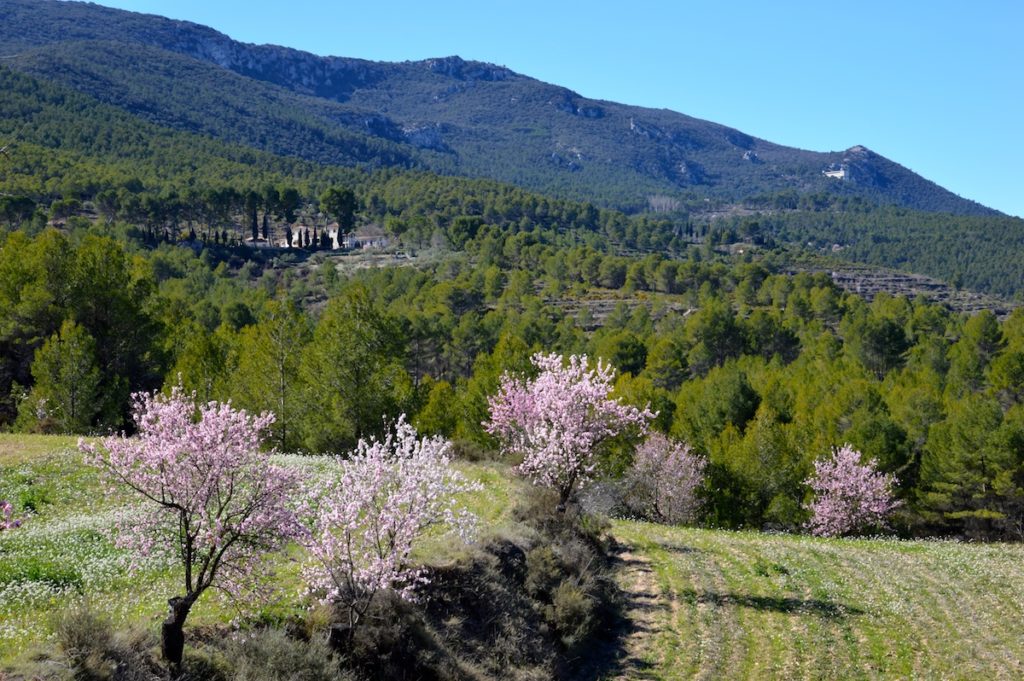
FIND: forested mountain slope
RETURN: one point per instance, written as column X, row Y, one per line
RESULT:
column 446, row 114
column 67, row 146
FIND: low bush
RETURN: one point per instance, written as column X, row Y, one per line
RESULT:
column 573, row 613
column 271, row 654
column 95, row 652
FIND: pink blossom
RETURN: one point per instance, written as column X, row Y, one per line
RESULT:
column 212, row 501
column 373, row 507
column 663, row 481
column 557, row 420
column 7, row 519
column 849, row 497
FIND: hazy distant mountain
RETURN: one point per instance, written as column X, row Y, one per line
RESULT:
column 447, row 114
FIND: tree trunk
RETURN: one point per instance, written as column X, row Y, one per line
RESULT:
column 565, row 494
column 172, row 640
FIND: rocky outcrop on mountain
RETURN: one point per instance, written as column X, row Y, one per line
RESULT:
column 460, row 69
column 427, row 136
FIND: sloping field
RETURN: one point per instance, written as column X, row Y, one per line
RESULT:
column 722, row 605
column 64, row 553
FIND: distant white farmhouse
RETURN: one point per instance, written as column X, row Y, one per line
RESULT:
column 365, row 238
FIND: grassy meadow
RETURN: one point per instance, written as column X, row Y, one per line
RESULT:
column 64, row 552
column 699, row 603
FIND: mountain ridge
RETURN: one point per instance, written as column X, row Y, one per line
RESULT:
column 445, row 114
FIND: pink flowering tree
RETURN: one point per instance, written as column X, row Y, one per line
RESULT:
column 663, row 481
column 557, row 420
column 7, row 519
column 849, row 497
column 211, row 500
column 373, row 507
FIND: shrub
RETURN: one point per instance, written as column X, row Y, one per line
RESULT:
column 565, row 579
column 94, row 652
column 271, row 654
column 572, row 613
column 663, row 482
column 849, row 497
column 204, row 663
column 543, row 571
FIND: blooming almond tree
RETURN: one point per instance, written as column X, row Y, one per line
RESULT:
column 557, row 420
column 372, row 508
column 213, row 501
column 848, row 497
column 663, row 481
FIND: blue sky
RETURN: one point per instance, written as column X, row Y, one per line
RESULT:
column 936, row 86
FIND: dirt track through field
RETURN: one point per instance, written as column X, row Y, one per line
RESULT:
column 645, row 612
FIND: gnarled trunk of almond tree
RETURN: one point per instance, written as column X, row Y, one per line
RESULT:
column 565, row 494
column 172, row 634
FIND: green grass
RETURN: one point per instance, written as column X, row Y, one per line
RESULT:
column 64, row 552
column 725, row 604
column 751, row 605
column 16, row 448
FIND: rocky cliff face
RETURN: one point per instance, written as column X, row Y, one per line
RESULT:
column 460, row 69
column 38, row 22
column 329, row 77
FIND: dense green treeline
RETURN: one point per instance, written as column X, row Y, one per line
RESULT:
column 77, row 331
column 202, row 98
column 762, row 372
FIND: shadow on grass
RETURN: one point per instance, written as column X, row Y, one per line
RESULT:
column 825, row 609
column 678, row 548
column 610, row 656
